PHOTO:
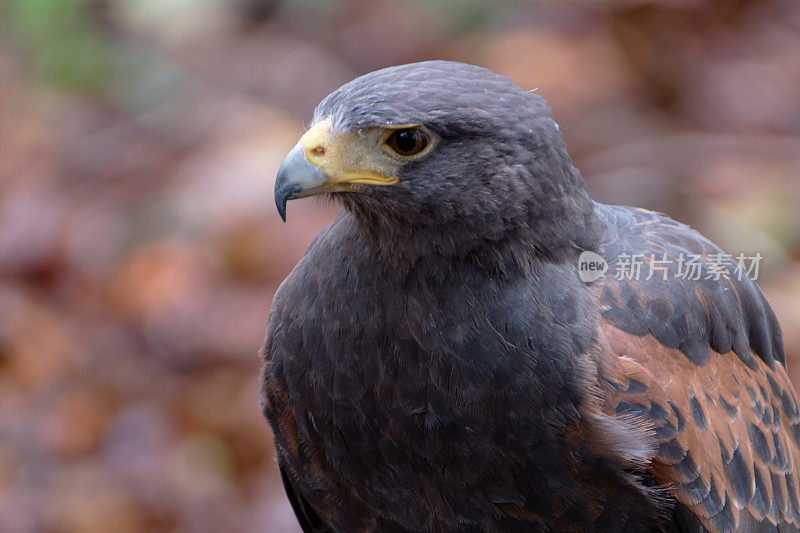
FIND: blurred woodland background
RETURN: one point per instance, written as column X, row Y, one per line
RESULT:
column 140, row 247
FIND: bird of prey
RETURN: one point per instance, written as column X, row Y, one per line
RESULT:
column 437, row 361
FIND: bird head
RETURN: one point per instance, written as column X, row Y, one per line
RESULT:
column 435, row 144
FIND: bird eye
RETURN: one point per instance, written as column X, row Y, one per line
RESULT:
column 408, row 141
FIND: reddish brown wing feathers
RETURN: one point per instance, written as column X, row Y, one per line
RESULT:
column 726, row 441
column 701, row 361
column 293, row 455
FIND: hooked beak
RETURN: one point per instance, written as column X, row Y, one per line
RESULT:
column 297, row 178
column 326, row 162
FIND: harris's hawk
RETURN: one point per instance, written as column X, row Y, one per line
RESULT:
column 437, row 361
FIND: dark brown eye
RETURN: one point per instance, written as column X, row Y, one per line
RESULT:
column 408, row 142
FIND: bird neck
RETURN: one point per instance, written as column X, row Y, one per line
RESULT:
column 512, row 248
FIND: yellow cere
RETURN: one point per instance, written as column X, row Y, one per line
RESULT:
column 348, row 158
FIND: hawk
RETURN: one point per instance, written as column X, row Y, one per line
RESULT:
column 437, row 362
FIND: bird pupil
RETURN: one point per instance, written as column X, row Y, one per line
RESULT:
column 406, row 141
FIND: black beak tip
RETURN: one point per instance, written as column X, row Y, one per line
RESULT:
column 284, row 193
column 280, row 203
column 296, row 178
